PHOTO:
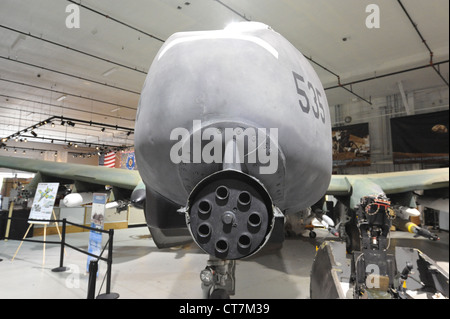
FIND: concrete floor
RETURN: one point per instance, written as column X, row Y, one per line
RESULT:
column 140, row 270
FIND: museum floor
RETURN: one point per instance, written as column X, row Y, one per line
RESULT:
column 140, row 270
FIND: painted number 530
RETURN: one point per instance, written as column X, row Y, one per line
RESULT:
column 316, row 107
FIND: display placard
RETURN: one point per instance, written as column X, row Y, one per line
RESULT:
column 44, row 200
column 421, row 138
column 351, row 145
column 97, row 221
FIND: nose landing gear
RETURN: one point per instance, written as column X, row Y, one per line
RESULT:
column 218, row 279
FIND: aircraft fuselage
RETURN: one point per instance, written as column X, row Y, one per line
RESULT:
column 245, row 84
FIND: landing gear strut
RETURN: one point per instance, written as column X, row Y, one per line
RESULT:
column 218, row 279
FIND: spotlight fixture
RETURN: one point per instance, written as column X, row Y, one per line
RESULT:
column 76, row 145
column 56, row 120
column 56, row 154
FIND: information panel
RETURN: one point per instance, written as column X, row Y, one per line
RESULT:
column 351, row 145
column 421, row 138
column 97, row 221
column 44, row 200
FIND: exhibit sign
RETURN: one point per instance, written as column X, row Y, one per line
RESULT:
column 97, row 222
column 421, row 138
column 351, row 145
column 128, row 160
column 43, row 202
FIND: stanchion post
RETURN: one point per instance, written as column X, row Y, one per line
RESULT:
column 93, row 268
column 110, row 254
column 109, row 294
column 61, row 267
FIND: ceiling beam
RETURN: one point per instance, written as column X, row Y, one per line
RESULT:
column 69, row 75
column 116, row 20
column 424, row 42
column 74, row 50
column 386, row 75
column 69, row 94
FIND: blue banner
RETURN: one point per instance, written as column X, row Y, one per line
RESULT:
column 97, row 221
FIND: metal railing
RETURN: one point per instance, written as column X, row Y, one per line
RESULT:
column 93, row 265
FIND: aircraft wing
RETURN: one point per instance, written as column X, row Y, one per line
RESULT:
column 98, row 175
column 393, row 182
column 413, row 180
column 339, row 185
column 358, row 186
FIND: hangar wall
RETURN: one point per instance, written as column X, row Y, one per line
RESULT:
column 378, row 116
column 42, row 151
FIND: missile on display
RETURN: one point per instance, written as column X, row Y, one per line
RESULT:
column 77, row 199
column 405, row 212
column 408, row 226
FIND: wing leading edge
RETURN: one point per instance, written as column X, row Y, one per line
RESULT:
column 98, row 175
column 393, row 182
column 358, row 186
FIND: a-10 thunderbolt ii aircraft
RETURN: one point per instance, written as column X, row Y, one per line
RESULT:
column 232, row 133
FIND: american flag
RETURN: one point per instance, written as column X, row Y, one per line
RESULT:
column 110, row 160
